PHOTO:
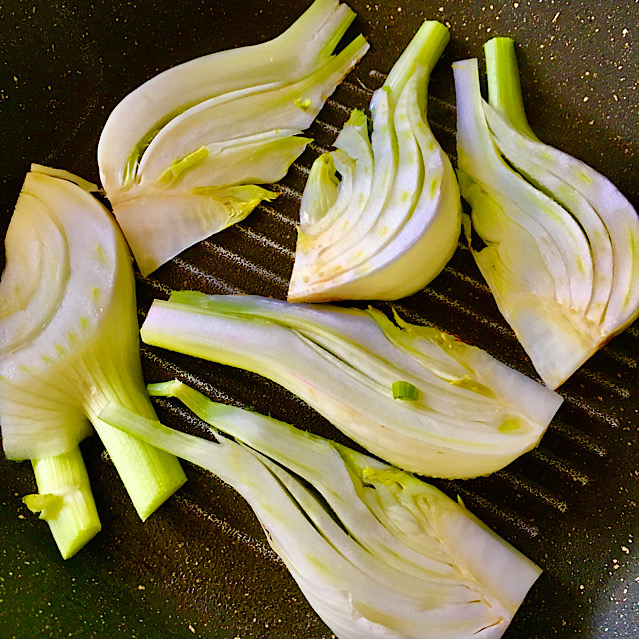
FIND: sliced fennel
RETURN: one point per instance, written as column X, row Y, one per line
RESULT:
column 68, row 345
column 377, row 552
column 471, row 414
column 393, row 221
column 223, row 120
column 562, row 243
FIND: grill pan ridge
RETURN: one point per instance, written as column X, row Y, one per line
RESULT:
column 201, row 566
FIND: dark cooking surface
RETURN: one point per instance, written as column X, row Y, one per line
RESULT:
column 201, row 566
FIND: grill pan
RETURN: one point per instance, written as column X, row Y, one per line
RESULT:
column 201, row 566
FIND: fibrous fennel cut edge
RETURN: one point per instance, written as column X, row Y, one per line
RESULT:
column 183, row 156
column 69, row 344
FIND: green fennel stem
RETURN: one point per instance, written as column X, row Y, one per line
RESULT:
column 65, row 500
column 149, row 474
column 332, row 42
column 405, row 390
column 504, row 87
column 424, row 49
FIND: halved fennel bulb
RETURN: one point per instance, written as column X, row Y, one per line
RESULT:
column 562, row 243
column 182, row 156
column 378, row 553
column 392, row 222
column 69, row 344
column 470, row 414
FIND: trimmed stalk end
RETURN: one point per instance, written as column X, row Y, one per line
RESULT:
column 424, row 49
column 149, row 475
column 504, row 87
column 65, row 501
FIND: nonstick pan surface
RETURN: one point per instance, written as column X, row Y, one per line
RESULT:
column 201, row 566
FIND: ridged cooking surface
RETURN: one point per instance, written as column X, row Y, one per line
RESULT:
column 201, row 565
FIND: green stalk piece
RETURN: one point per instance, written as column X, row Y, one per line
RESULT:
column 69, row 344
column 65, row 500
column 561, row 252
column 377, row 552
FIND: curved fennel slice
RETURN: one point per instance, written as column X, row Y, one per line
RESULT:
column 470, row 416
column 393, row 221
column 69, row 345
column 561, row 251
column 377, row 552
column 182, row 156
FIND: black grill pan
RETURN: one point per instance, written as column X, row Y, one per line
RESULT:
column 201, row 566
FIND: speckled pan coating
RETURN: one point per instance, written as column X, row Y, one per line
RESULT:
column 201, row 567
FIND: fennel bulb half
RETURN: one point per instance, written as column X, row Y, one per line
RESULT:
column 392, row 222
column 181, row 156
column 378, row 553
column 69, row 344
column 561, row 251
column 471, row 414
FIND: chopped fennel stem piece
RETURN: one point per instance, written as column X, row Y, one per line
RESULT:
column 226, row 119
column 377, row 552
column 405, row 390
column 68, row 345
column 344, row 362
column 393, row 221
column 561, row 251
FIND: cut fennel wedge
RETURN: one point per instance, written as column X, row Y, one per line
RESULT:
column 378, row 553
column 392, row 222
column 68, row 345
column 223, row 121
column 561, row 251
column 470, row 416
